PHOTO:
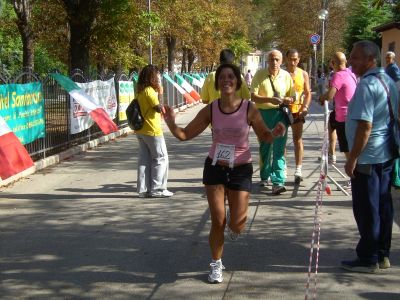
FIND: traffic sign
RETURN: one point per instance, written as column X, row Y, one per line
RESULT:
column 315, row 39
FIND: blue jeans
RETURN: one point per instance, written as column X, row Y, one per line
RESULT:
column 373, row 211
column 152, row 173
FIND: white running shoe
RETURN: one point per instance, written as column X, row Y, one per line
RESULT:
column 348, row 185
column 161, row 194
column 233, row 236
column 215, row 275
column 263, row 183
column 331, row 159
column 298, row 177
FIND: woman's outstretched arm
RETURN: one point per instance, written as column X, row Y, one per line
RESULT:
column 193, row 129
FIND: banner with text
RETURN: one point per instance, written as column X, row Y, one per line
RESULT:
column 126, row 95
column 103, row 93
column 22, row 107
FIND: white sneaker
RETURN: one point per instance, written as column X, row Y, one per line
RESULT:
column 331, row 159
column 298, row 177
column 263, row 183
column 233, row 236
column 215, row 275
column 348, row 185
column 161, row 194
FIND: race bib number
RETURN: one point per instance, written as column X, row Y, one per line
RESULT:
column 225, row 153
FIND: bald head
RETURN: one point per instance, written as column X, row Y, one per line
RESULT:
column 339, row 61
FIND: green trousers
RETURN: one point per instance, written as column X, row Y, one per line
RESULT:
column 272, row 156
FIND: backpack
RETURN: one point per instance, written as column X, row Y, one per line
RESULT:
column 134, row 115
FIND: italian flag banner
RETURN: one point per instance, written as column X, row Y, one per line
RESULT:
column 87, row 103
column 193, row 80
column 13, row 156
column 189, row 99
column 199, row 78
column 188, row 88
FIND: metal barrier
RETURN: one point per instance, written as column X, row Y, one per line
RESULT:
column 57, row 110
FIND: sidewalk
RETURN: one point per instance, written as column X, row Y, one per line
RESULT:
column 77, row 230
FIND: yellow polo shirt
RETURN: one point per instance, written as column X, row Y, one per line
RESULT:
column 209, row 93
column 148, row 98
column 261, row 86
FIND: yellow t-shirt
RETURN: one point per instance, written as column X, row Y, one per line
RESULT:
column 148, row 98
column 298, row 85
column 261, row 86
column 209, row 93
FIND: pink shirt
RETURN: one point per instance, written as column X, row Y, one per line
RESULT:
column 345, row 83
column 231, row 129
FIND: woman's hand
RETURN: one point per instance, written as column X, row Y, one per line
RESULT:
column 168, row 114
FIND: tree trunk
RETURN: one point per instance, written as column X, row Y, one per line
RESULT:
column 23, row 11
column 184, row 54
column 81, row 18
column 191, row 58
column 171, row 43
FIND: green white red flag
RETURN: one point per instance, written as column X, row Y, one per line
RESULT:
column 87, row 102
column 189, row 99
column 14, row 158
column 187, row 87
column 192, row 80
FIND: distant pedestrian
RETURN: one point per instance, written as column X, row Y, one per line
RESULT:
column 208, row 92
column 152, row 173
column 270, row 88
column 394, row 72
column 391, row 67
column 370, row 160
column 228, row 167
column 299, row 107
column 248, row 77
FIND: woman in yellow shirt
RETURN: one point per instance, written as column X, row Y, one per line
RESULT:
column 152, row 173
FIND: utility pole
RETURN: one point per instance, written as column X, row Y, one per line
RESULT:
column 150, row 43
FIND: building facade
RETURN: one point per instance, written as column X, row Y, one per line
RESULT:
column 390, row 40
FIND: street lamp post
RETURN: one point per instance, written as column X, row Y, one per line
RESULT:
column 150, row 45
column 322, row 15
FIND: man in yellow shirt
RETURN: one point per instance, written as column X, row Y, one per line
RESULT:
column 271, row 87
column 209, row 93
column 299, row 107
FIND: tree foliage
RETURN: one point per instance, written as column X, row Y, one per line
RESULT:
column 362, row 20
column 114, row 34
column 10, row 41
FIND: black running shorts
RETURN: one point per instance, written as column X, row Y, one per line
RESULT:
column 238, row 179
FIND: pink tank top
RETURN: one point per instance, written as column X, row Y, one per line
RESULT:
column 231, row 129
